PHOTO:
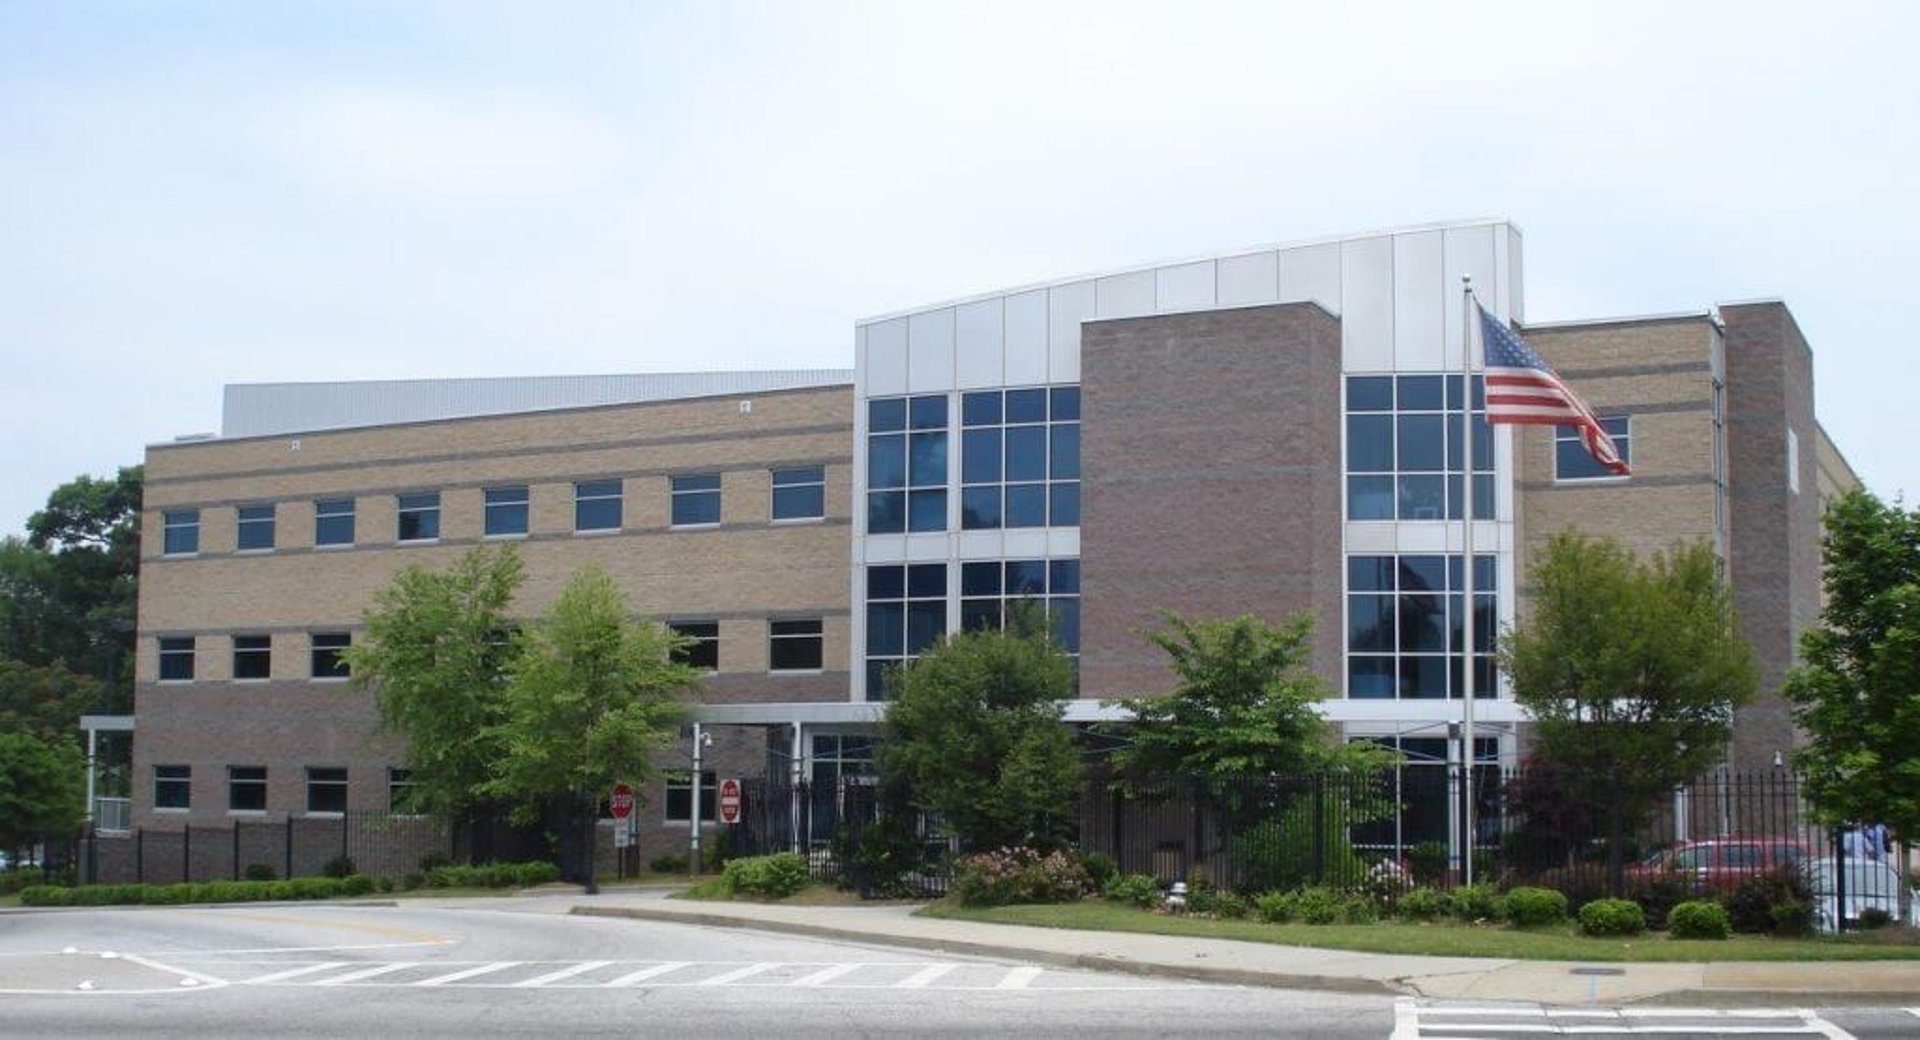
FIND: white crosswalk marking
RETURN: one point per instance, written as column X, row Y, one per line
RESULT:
column 366, row 973
column 564, row 973
column 826, row 975
column 1413, row 1021
column 469, row 973
column 294, row 973
column 737, row 974
column 924, row 977
column 1019, row 978
column 652, row 972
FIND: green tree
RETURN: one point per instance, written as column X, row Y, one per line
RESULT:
column 1631, row 668
column 42, row 789
column 45, row 702
column 1244, row 704
column 435, row 652
column 589, row 699
column 1858, row 694
column 975, row 733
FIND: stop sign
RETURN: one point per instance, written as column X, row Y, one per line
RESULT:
column 620, row 801
column 730, row 800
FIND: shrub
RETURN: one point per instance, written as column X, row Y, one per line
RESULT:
column 493, row 875
column 412, row 880
column 1475, row 903
column 1101, row 870
column 669, row 864
column 1214, row 902
column 1792, row 917
column 1658, row 893
column 434, row 859
column 14, row 880
column 201, row 892
column 776, row 877
column 1612, row 917
column 1423, row 904
column 1137, row 889
column 1428, row 862
column 1315, row 905
column 1019, row 875
column 1699, row 919
column 261, row 872
column 1874, row 917
column 1750, row 905
column 1274, row 907
column 1387, row 881
column 383, row 884
column 1535, row 907
column 1581, row 883
column 338, row 867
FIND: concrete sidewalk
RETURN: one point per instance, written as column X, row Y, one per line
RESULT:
column 1250, row 963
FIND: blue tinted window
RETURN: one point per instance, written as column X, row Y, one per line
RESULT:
column 980, row 409
column 1422, row 623
column 1370, row 498
column 886, row 582
column 1370, row 573
column 1026, row 453
column 1369, row 443
column 1416, row 635
column 927, row 466
column 886, row 512
column 1063, row 623
column 696, row 499
column 1370, row 678
column 1370, row 394
column 1420, row 393
column 504, row 510
column 1370, row 623
column 980, row 456
column 1423, row 498
column 979, row 579
column 182, row 531
column 887, row 461
column 1066, row 403
column 927, row 413
column 253, row 527
column 333, row 521
column 926, row 511
column 1026, row 578
column 980, row 615
column 1571, row 460
column 980, row 508
column 1063, row 577
column 926, row 623
column 1423, row 573
column 418, row 516
column 597, row 505
column 926, row 579
column 1063, row 505
column 1423, row 678
column 886, row 629
column 1420, row 434
column 887, row 416
column 800, row 493
column 1063, row 452
column 1025, row 505
column 1422, row 444
column 1026, row 406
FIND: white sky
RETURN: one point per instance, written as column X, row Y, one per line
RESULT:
column 193, row 194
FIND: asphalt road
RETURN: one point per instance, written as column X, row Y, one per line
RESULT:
column 425, row 969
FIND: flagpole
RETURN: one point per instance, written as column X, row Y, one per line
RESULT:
column 1466, row 628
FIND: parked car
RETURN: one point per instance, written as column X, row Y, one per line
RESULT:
column 1870, row 885
column 1717, row 864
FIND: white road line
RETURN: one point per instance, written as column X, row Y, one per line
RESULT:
column 1406, row 1020
column 644, row 974
column 190, row 954
column 1824, row 1027
column 1019, row 978
column 564, row 973
column 468, row 973
column 366, row 973
column 737, row 974
column 294, row 973
column 184, row 973
column 924, row 977
column 826, row 975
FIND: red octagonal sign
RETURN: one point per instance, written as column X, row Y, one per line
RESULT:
column 620, row 802
column 730, row 800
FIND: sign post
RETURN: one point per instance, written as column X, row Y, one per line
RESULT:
column 620, row 803
column 730, row 800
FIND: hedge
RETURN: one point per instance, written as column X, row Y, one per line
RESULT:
column 493, row 875
column 199, row 892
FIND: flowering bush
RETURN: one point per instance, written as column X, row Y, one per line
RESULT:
column 1019, row 875
column 1387, row 881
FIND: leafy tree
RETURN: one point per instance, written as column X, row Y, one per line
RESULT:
column 975, row 733
column 1244, row 705
column 589, row 698
column 44, row 702
column 1630, row 668
column 42, row 789
column 435, row 652
column 1858, row 694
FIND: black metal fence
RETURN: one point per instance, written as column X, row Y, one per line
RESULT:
column 374, row 843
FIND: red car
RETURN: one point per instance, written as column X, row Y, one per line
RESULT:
column 1721, row 863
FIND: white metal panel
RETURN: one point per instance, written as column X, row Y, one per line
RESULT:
column 1486, row 536
column 979, row 336
column 1253, row 278
column 1515, row 297
column 925, row 548
column 887, row 358
column 886, row 548
column 1186, row 287
column 1424, row 537
column 1366, row 304
column 1026, row 344
column 978, row 545
column 1067, row 307
column 1469, row 252
column 1025, row 543
column 859, row 363
column 930, row 351
column 1418, row 267
column 1370, row 536
column 1312, row 273
column 1063, row 542
column 1127, row 295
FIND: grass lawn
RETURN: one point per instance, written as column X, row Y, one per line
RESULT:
column 1551, row 944
column 815, row 894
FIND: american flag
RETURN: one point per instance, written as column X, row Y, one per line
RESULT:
column 1522, row 388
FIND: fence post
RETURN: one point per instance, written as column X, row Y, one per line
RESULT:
column 93, row 855
column 1118, row 835
column 1199, row 831
column 236, row 850
column 343, row 837
column 1616, row 860
column 140, row 855
column 186, row 853
column 1839, row 839
column 1319, row 827
column 289, row 844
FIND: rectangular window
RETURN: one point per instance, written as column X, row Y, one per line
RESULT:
column 1424, row 785
column 252, row 657
column 1793, row 461
column 326, row 789
column 505, row 511
column 696, row 500
column 1020, row 458
column 400, row 791
column 182, row 534
column 333, row 521
column 795, row 646
column 176, row 658
column 704, row 651
column 246, row 788
column 906, row 614
column 1406, row 626
column 327, row 648
column 907, row 464
column 253, row 527
column 172, row 787
column 1571, row 460
column 800, row 493
column 1407, row 452
column 680, row 795
column 596, row 505
column 989, row 589
column 418, row 516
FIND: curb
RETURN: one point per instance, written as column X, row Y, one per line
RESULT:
column 195, row 906
column 1095, row 962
